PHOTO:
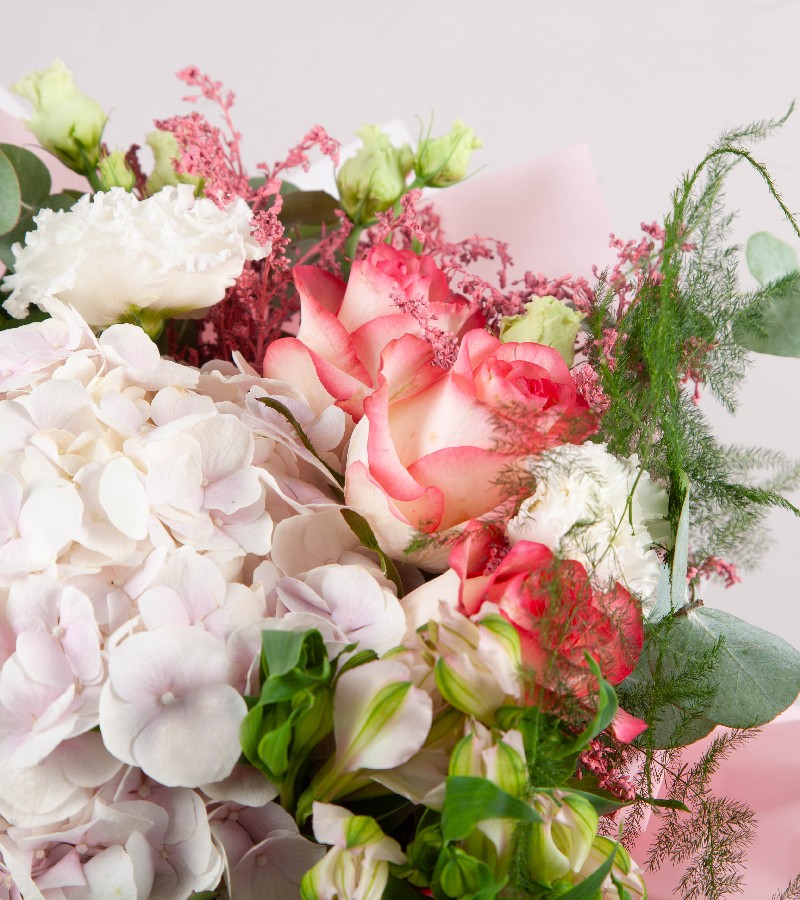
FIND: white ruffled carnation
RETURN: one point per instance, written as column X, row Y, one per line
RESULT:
column 580, row 509
column 111, row 254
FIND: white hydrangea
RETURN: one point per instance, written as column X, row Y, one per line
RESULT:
column 603, row 511
column 168, row 254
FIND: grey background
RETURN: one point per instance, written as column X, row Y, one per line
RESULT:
column 647, row 85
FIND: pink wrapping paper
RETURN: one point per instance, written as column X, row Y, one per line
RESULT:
column 764, row 774
column 549, row 210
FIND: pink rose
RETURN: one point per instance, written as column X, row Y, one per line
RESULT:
column 345, row 327
column 558, row 614
column 436, row 447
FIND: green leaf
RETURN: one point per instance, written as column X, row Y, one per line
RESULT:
column 607, row 707
column 604, row 802
column 469, row 800
column 777, row 329
column 272, row 403
column 362, row 530
column 754, row 676
column 32, row 174
column 769, row 258
column 758, row 672
column 588, row 888
column 10, row 195
column 309, row 208
column 282, row 650
column 680, row 556
column 397, row 889
column 664, row 802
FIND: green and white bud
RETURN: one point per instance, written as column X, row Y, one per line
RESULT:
column 166, row 152
column 444, row 160
column 357, row 865
column 65, row 121
column 114, row 171
column 546, row 321
column 625, row 875
column 499, row 758
column 380, row 720
column 561, row 843
column 477, row 664
column 373, row 179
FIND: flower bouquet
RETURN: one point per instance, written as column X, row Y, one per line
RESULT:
column 330, row 568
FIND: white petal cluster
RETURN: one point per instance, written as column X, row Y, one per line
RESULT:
column 112, row 253
column 603, row 511
column 153, row 518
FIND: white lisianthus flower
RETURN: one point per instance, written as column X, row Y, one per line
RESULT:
column 113, row 255
column 580, row 509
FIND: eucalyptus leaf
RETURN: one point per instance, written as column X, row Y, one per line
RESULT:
column 10, row 195
column 309, row 208
column 25, row 224
column 663, row 603
column 32, row 174
column 777, row 329
column 754, row 676
column 680, row 556
column 769, row 258
column 759, row 672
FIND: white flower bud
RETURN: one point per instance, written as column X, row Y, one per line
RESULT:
column 65, row 121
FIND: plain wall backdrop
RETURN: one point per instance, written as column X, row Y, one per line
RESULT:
column 647, row 85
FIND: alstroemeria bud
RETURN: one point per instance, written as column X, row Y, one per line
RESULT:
column 114, row 171
column 624, row 874
column 444, row 160
column 357, row 865
column 560, row 844
column 546, row 321
column 380, row 720
column 478, row 665
column 65, row 121
column 500, row 758
column 165, row 153
column 373, row 179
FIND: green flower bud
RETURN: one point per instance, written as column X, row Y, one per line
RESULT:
column 444, row 160
column 115, row 172
column 65, row 121
column 560, row 844
column 373, row 179
column 547, row 321
column 461, row 875
column 165, row 151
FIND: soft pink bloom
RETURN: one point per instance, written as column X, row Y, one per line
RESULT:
column 438, row 447
column 265, row 855
column 345, row 327
column 163, row 690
